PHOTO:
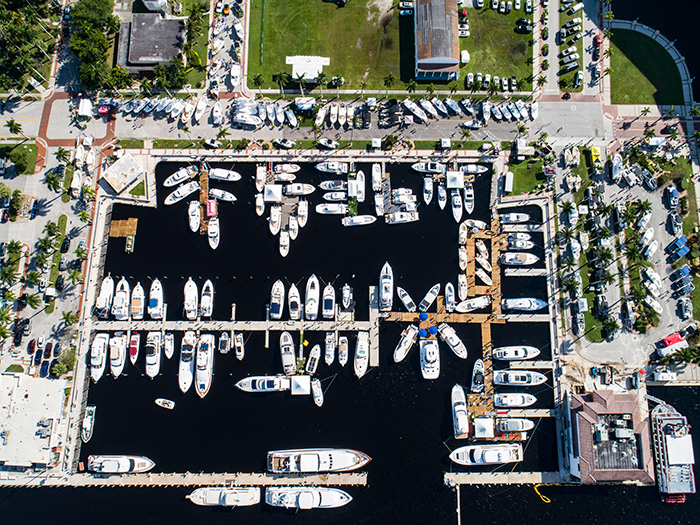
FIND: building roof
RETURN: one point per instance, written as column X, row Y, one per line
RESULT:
column 123, row 172
column 154, row 39
column 599, row 420
column 437, row 35
column 308, row 66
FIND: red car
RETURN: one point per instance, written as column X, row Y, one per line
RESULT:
column 30, row 346
column 461, row 12
column 597, row 40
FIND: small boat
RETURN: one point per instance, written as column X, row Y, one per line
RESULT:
column 298, row 189
column 428, row 190
column 328, row 309
column 468, row 106
column 463, row 258
column 225, row 175
column 442, row 196
column 243, row 119
column 191, row 300
column 481, row 247
column 205, row 364
column 449, row 336
column 485, row 264
column 187, row 112
column 314, row 358
column 429, row 358
column 255, row 384
column 138, row 302
column 386, row 288
column 119, row 464
column 476, row 225
column 293, row 227
column 454, row 106
column 342, row 115
column 377, row 177
column 225, row 496
column 317, row 392
column 468, row 198
column 216, row 193
column 450, row 302
column 429, row 108
column 277, row 300
column 306, row 497
column 217, row 114
column 462, row 288
column 514, row 218
column 165, row 403
column 333, row 117
column 155, row 302
column 343, row 350
column 312, row 298
column 207, row 301
column 463, row 230
column 182, row 191
column 429, row 167
column 194, row 214
column 485, row 110
column 361, row 354
column 279, row 114
column 406, row 299
column 302, row 212
column 120, row 305
column 275, row 219
column 213, row 232
column 178, row 107
column 291, row 117
column 491, row 454
column 460, row 419
column 88, row 423
column 134, row 344
column 401, row 217
column 518, row 378
column 294, row 303
column 321, row 116
column 224, row 343
column 514, row 424
column 415, row 109
column 408, row 339
column 521, row 108
column 534, row 110
column 515, row 353
column 474, row 169
column 336, row 196
column 117, row 354
column 284, row 243
column 379, row 204
column 153, row 349
column 103, row 304
column 235, row 75
column 477, row 385
column 518, row 258
column 486, row 278
column 287, row 354
column 347, row 298
column 524, row 304
column 360, row 185
column 475, row 303
column 200, row 109
column 329, row 350
column 259, row 204
column 519, row 237
column 331, row 208
column 336, row 168
column 169, row 345
column 260, row 177
column 181, row 175
column 429, row 298
column 521, row 245
column 496, row 113
column 456, row 200
column 334, row 185
column 514, row 400
column 286, row 168
column 435, row 101
column 358, row 220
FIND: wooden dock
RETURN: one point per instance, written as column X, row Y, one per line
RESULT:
column 526, row 272
column 123, row 228
column 501, row 478
column 203, row 198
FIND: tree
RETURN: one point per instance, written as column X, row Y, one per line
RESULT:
column 84, row 216
column 696, row 135
column 429, row 90
column 466, row 133
column 13, row 126
column 541, row 81
column 568, row 263
column 33, row 301
column 69, row 317
column 59, row 369
column 363, row 85
column 411, row 85
column 222, row 133
column 81, row 253
column 75, row 276
column 695, row 111
column 258, row 82
column 34, row 277
column 45, row 244
column 41, row 260
column 16, row 201
column 570, row 285
column 610, row 324
column 649, row 133
column 671, row 111
column 8, row 275
column 51, row 229
column 645, row 111
column 14, row 247
column 607, row 71
column 567, row 206
column 568, row 234
column 522, row 129
column 301, row 80
column 281, row 79
column 321, row 80
column 338, row 82
column 6, row 315
column 673, row 134
column 608, row 52
column 89, row 193
column 62, row 155
column 605, row 256
column 68, row 358
column 609, row 15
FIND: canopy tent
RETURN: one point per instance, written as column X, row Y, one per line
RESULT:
column 272, row 193
column 455, row 180
column 301, row 385
column 483, row 427
column 304, row 103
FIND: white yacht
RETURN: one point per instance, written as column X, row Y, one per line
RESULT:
column 460, row 419
column 307, row 460
column 336, row 168
column 486, row 278
column 217, row 113
column 181, row 192
column 450, row 302
column 103, row 304
column 260, row 177
column 406, row 299
column 408, row 339
column 415, row 109
column 462, row 287
column 181, row 175
column 191, row 300
column 442, row 196
column 254, row 384
column 358, row 220
column 207, row 302
column 295, row 308
column 429, row 167
column 284, row 243
column 331, row 208
column 468, row 198
column 429, row 358
column 481, row 247
column 514, row 424
column 194, row 214
column 347, row 299
column 343, row 350
column 362, row 354
column 514, row 400
column 515, row 353
column 314, row 358
column 474, row 169
column 239, row 345
column 518, row 378
column 456, row 199
column 523, row 304
column 401, row 217
column 138, row 302
column 120, row 305
column 225, row 496
column 429, row 298
column 328, row 309
column 213, row 232
column 225, row 175
column 484, row 262
column 275, row 219
column 117, row 354
column 200, row 108
column 519, row 258
column 98, row 356
column 259, row 205
column 204, row 364
column 334, row 185
column 521, row 245
column 312, row 298
column 317, row 392
column 478, row 372
column 153, row 350
column 287, row 168
column 306, row 497
column 514, row 218
column 119, row 464
column 376, row 177
column 475, row 303
column 428, row 189
column 185, row 371
column 491, row 454
column 287, row 353
column 329, row 350
column 277, row 300
column 386, row 288
column 222, row 195
column 463, row 258
column 476, row 224
column 321, row 116
column 155, row 300
column 429, row 108
column 88, row 423
column 360, row 186
column 448, row 335
column 298, row 189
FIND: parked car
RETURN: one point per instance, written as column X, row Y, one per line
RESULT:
column 26, row 325
column 597, row 40
column 65, row 245
column 671, row 194
column 219, row 7
column 59, row 283
column 478, row 4
column 470, row 80
column 686, row 306
column 51, row 368
column 573, row 22
column 487, row 81
column 676, row 223
column 47, row 350
column 688, row 330
column 509, row 6
column 528, row 6
column 37, row 358
column 570, row 67
column 44, row 371
column 35, row 208
column 578, row 80
column 576, row 38
column 31, row 346
column 570, row 58
column 513, row 83
column 680, row 272
column 57, row 349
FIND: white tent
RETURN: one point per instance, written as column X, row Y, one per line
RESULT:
column 483, row 427
column 272, row 193
column 85, row 107
column 301, row 385
column 455, row 180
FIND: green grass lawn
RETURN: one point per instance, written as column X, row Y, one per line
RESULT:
column 494, row 46
column 197, row 75
column 642, row 71
column 15, row 369
column 130, row 143
column 361, row 42
column 139, row 189
column 67, row 180
column 583, row 170
column 56, row 259
column 527, row 175
column 554, row 59
column 594, row 327
column 26, row 152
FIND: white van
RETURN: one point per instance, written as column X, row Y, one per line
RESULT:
column 576, row 8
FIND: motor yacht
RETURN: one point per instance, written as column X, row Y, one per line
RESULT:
column 478, row 372
column 117, row 354
column 518, row 258
column 284, row 243
column 460, row 418
column 225, row 175
column 103, row 304
column 181, row 175
column 134, row 344
column 255, row 384
column 239, row 345
column 406, row 299
column 222, row 195
column 259, row 205
column 475, row 303
column 306, row 497
column 207, row 300
column 485, row 278
column 361, row 354
column 514, row 400
column 449, row 336
column 343, row 350
column 312, row 298
column 181, row 192
column 275, row 219
column 120, row 305
column 194, row 215
column 333, row 167
column 156, row 306
column 386, row 288
column 204, row 364
column 328, row 309
column 185, row 371
column 312, row 361
column 358, row 220
column 295, row 307
column 488, row 454
column 347, row 297
column 462, row 286
column 287, row 354
column 277, row 300
column 225, row 496
column 401, row 217
column 408, row 339
column 429, row 298
column 314, row 460
column 456, row 199
column 98, row 356
column 429, row 167
column 514, row 218
column 138, row 302
column 523, row 304
column 153, row 350
column 298, row 189
column 119, row 464
column 329, row 350
column 468, row 198
column 213, row 232
column 429, row 358
column 515, row 353
column 88, row 423
column 518, row 378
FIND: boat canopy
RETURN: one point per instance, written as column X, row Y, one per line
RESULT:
column 301, row 385
column 211, row 208
column 304, row 103
column 455, row 180
column 310, row 463
column 673, row 339
column 483, row 427
column 272, row 193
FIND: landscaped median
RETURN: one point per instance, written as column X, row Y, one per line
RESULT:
column 56, row 259
column 566, row 80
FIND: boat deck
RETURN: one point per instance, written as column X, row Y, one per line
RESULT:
column 501, row 478
column 203, row 198
column 123, row 228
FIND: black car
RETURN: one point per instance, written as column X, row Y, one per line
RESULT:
column 37, row 358
column 237, row 10
column 2, row 249
column 57, row 350
column 65, row 245
column 17, row 339
column 52, row 375
column 59, row 283
column 596, row 54
column 44, row 371
column 688, row 330
column 47, row 350
column 26, row 325
column 35, row 208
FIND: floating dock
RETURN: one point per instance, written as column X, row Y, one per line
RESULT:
column 501, row 478
column 123, row 228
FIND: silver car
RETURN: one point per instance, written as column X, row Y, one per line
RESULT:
column 570, row 58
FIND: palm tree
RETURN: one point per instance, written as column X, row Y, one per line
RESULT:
column 14, row 247
column 696, row 135
column 610, row 324
column 389, row 83
column 644, row 206
column 568, row 234
column 4, row 332
column 607, row 278
column 609, row 15
column 429, row 90
column 53, row 180
column 62, row 155
column 281, row 79
column 567, row 206
column 466, row 133
column 41, row 260
column 521, row 129
column 33, row 301
column 6, row 315
column 10, row 297
column 671, row 111
column 695, row 111
column 605, row 256
column 84, row 216
column 69, row 317
column 258, row 82
column 301, row 80
column 608, row 34
column 89, row 193
column 51, row 229
column 34, row 277
column 81, row 253
column 570, row 285
column 338, row 82
column 363, row 85
column 411, row 85
column 645, row 111
column 8, row 275
column 321, row 80
column 14, row 126
column 75, row 276
column 568, row 263
column 673, row 134
column 649, row 133
column 541, row 81
column 607, row 71
column 608, row 52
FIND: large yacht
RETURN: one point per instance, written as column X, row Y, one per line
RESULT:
column 429, row 167
column 491, row 454
column 313, row 360
column 98, row 356
column 253, row 384
column 475, row 303
column 336, row 168
column 460, row 418
column 515, row 353
column 213, row 232
column 519, row 258
column 456, row 199
column 315, row 460
column 514, row 400
column 450, row 302
column 306, row 497
column 117, row 354
column 185, row 371
column 429, row 298
column 138, row 302
column 518, row 378
column 468, row 198
column 287, row 353
column 386, row 288
column 275, row 219
column 153, row 351
column 302, row 212
column 448, row 334
column 205, row 364
column 206, row 305
column 312, row 298
column 429, row 358
column 329, row 350
column 225, row 175
column 191, row 299
column 362, row 354
column 514, row 218
column 524, row 304
column 194, row 215
column 428, row 189
column 406, row 299
column 181, row 175
column 328, row 310
column 103, row 304
column 295, row 308
column 225, row 496
column 155, row 300
column 181, row 192
column 120, row 305
column 119, row 464
column 277, row 300
column 408, row 339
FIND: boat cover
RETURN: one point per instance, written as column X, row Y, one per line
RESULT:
column 211, row 208
column 483, row 427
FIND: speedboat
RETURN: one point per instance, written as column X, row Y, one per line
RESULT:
column 519, row 258
column 254, row 384
column 448, row 335
column 463, row 230
column 343, row 351
column 329, row 350
column 462, row 287
column 491, row 454
column 314, row 358
column 463, row 258
column 335, row 196
column 534, row 109
column 481, row 247
column 259, row 204
column 244, row 119
column 103, row 304
column 408, row 339
column 361, row 354
column 134, row 344
column 360, row 185
column 514, row 218
column 291, row 117
column 117, row 354
column 524, row 304
column 225, row 175
column 429, row 108
column 98, row 356
column 429, row 298
column 519, row 237
column 317, row 392
column 476, row 224
column 185, row 371
column 181, row 175
column 454, row 106
column 153, row 348
column 486, row 278
column 478, row 371
column 475, row 303
column 200, row 108
column 513, row 424
column 219, row 194
column 429, row 167
column 275, row 219
column 468, row 198
column 308, row 460
column 306, row 497
column 206, row 305
column 260, row 177
column 321, row 116
column 406, row 299
column 450, row 302
column 279, row 113
column 334, row 185
column 119, row 464
column 342, row 115
column 328, row 310
column 332, row 208
column 277, row 300
column 120, row 305
column 225, row 496
column 213, row 232
column 401, row 217
column 293, row 227
column 336, row 168
column 286, row 168
column 217, row 114
column 358, row 220
column 347, row 296
column 302, row 212
column 514, row 400
column 312, row 298
column 181, row 192
column 415, row 109
column 287, row 354
column 428, row 189
column 284, row 243
column 205, row 364
column 442, row 196
column 138, row 302
column 187, row 112
column 515, row 353
column 235, row 75
column 155, row 300
column 88, row 423
column 429, row 358
column 224, row 343
column 486, row 110
column 194, row 214
column 520, row 245
column 456, row 199
column 191, row 300
column 518, row 378
column 298, row 189
column 386, row 288
column 294, row 303
column 460, row 419
column 376, row 177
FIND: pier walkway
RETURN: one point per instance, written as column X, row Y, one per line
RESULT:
column 526, row 272
column 501, row 478
column 532, row 365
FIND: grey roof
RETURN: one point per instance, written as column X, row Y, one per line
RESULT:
column 436, row 23
column 154, row 39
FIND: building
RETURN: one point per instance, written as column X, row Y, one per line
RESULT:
column 149, row 39
column 122, row 173
column 156, row 5
column 437, row 40
column 609, row 438
column 308, row 67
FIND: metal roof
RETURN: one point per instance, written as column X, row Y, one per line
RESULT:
column 437, row 38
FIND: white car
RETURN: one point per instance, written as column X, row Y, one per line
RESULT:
column 517, row 4
column 573, row 30
column 528, row 6
column 568, row 51
column 219, row 7
column 487, row 81
column 545, row 3
column 479, row 3
column 470, row 80
column 573, row 22
column 576, row 38
column 570, row 58
column 463, row 33
column 405, row 5
column 579, row 79
column 502, row 6
column 494, row 4
column 464, row 27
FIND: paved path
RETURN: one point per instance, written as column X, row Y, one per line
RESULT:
column 501, row 478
